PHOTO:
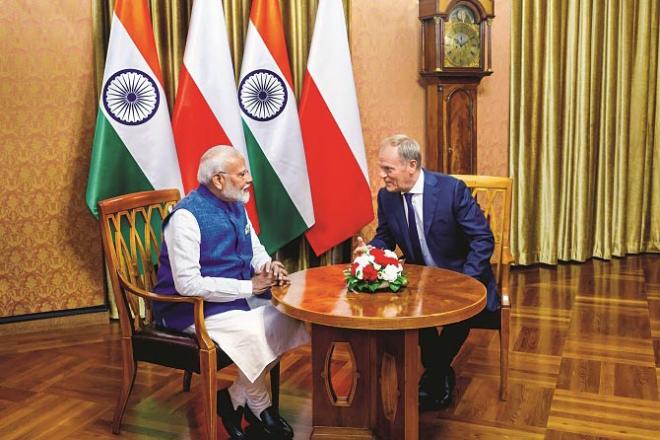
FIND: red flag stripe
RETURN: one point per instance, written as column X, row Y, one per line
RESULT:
column 341, row 196
column 196, row 129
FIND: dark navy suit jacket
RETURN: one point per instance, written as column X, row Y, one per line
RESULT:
column 457, row 233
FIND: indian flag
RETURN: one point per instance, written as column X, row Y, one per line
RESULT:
column 133, row 146
column 272, row 130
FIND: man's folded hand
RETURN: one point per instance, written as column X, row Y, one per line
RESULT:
column 262, row 282
column 279, row 273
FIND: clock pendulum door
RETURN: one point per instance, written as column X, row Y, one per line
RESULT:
column 456, row 43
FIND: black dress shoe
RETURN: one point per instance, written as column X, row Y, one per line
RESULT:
column 231, row 418
column 436, row 390
column 447, row 385
column 269, row 425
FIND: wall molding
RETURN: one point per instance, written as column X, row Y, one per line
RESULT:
column 54, row 314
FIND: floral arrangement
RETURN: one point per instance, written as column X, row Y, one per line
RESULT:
column 375, row 269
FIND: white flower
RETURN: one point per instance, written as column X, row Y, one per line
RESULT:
column 389, row 273
column 390, row 254
column 363, row 260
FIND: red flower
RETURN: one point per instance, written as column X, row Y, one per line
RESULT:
column 369, row 273
column 391, row 261
column 379, row 256
column 381, row 259
column 354, row 267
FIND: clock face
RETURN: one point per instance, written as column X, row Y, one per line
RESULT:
column 462, row 39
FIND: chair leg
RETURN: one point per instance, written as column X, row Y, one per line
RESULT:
column 187, row 378
column 275, row 386
column 504, row 353
column 208, row 369
column 128, row 378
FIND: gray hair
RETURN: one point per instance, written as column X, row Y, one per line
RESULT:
column 407, row 147
column 214, row 161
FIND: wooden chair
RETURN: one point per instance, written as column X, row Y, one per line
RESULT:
column 494, row 197
column 131, row 233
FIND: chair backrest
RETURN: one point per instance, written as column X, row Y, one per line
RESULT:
column 494, row 197
column 131, row 227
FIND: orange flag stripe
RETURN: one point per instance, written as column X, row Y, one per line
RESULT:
column 267, row 19
column 135, row 17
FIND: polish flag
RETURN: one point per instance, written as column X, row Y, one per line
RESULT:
column 206, row 110
column 332, row 135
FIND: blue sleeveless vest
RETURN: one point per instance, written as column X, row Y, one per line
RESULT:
column 225, row 251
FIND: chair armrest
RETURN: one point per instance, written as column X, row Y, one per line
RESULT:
column 168, row 298
column 203, row 338
column 125, row 284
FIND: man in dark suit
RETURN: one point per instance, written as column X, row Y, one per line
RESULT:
column 435, row 221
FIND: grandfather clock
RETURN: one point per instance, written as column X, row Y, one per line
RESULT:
column 456, row 54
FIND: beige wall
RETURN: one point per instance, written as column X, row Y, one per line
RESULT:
column 493, row 100
column 385, row 45
column 385, row 50
column 50, row 257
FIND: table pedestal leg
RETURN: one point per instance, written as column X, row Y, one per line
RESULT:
column 382, row 397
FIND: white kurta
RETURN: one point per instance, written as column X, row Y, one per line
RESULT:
column 252, row 339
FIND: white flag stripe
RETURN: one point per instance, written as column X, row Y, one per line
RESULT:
column 280, row 138
column 207, row 50
column 333, row 75
column 151, row 146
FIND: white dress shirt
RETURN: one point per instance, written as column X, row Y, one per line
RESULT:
column 183, row 239
column 418, row 205
column 253, row 338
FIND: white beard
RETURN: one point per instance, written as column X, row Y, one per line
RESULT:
column 236, row 194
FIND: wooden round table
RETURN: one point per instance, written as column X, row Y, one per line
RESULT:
column 380, row 334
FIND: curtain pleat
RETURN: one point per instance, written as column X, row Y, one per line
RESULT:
column 583, row 124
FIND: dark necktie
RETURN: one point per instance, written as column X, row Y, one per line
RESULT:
column 417, row 258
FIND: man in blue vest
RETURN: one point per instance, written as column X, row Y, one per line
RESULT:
column 210, row 250
column 435, row 221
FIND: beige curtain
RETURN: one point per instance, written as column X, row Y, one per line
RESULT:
column 584, row 129
column 170, row 21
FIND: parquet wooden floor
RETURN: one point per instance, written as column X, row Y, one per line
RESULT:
column 585, row 364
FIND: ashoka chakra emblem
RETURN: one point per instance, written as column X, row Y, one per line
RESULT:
column 130, row 97
column 262, row 95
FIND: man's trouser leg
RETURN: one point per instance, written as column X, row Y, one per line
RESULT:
column 254, row 394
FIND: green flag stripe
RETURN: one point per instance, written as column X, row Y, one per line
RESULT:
column 113, row 171
column 279, row 219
